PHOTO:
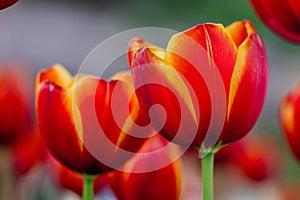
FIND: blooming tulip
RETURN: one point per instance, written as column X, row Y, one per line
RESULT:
column 290, row 118
column 211, row 82
column 6, row 3
column 87, row 123
column 281, row 16
column 240, row 57
column 163, row 183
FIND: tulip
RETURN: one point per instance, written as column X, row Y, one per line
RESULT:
column 81, row 125
column 71, row 180
column 208, row 78
column 14, row 103
column 6, row 3
column 162, row 183
column 28, row 151
column 255, row 156
column 282, row 17
column 290, row 118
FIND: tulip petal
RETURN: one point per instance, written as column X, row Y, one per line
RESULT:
column 215, row 40
column 290, row 116
column 51, row 97
column 153, row 74
column 240, row 30
column 280, row 17
column 56, row 74
column 250, row 74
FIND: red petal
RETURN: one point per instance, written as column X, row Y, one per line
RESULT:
column 280, row 17
column 247, row 89
column 290, row 117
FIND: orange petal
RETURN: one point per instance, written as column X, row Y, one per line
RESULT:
column 56, row 74
column 240, row 30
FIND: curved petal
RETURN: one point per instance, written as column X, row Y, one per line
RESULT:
column 280, row 17
column 212, row 38
column 176, row 116
column 247, row 89
column 57, row 125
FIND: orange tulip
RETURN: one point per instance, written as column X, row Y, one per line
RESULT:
column 183, row 80
column 281, row 16
column 6, row 3
column 14, row 102
column 79, row 123
column 163, row 183
column 290, row 119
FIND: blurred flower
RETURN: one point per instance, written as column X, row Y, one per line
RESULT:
column 290, row 119
column 28, row 151
column 174, row 79
column 71, row 180
column 80, row 124
column 282, row 16
column 163, row 183
column 14, row 102
column 6, row 3
column 256, row 156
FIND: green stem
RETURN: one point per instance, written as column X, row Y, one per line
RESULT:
column 6, row 173
column 208, row 176
column 88, row 187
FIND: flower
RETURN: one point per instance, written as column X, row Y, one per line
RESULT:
column 6, row 3
column 81, row 125
column 162, row 183
column 289, row 118
column 256, row 156
column 14, row 102
column 183, row 80
column 282, row 17
column 71, row 180
column 28, row 151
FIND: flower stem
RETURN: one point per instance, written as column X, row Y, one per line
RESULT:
column 207, row 176
column 6, row 173
column 88, row 187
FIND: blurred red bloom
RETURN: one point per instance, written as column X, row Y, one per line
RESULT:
column 71, row 180
column 79, row 122
column 28, row 150
column 281, row 16
column 14, row 102
column 172, row 79
column 256, row 156
column 163, row 183
column 6, row 3
column 290, row 119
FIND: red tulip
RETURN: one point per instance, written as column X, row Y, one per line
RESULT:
column 6, row 3
column 183, row 78
column 163, row 183
column 281, row 16
column 28, row 151
column 14, row 102
column 257, row 157
column 290, row 119
column 71, row 180
column 81, row 125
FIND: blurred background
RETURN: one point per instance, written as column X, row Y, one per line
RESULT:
column 39, row 33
